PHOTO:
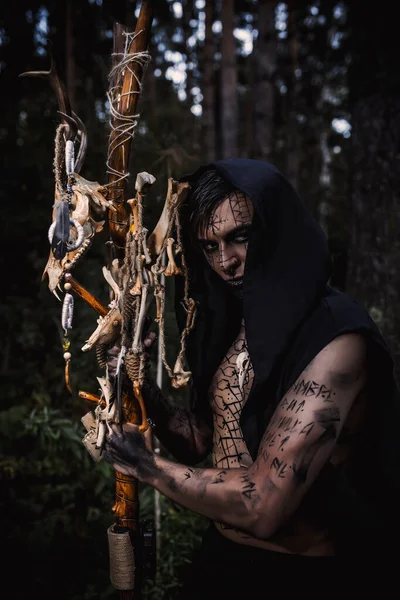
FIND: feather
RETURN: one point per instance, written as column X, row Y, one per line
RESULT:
column 61, row 230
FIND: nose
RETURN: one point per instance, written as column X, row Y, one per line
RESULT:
column 230, row 263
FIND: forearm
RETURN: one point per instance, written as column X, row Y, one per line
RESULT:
column 225, row 496
column 182, row 433
column 234, row 497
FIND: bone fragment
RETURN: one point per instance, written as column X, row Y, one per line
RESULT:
column 94, row 190
column 172, row 268
column 107, row 330
column 159, row 293
column 133, row 203
column 147, row 257
column 106, row 389
column 176, row 194
column 144, row 306
column 181, row 377
column 137, row 288
column 138, row 394
column 143, row 182
column 112, row 283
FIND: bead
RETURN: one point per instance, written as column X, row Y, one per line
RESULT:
column 67, row 355
column 67, row 286
column 66, row 343
column 67, row 276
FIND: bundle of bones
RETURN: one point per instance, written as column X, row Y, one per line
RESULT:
column 133, row 283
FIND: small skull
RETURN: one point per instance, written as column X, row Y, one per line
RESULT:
column 243, row 365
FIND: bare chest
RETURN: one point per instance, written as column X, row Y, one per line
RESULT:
column 229, row 391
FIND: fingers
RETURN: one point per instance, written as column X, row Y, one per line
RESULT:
column 149, row 340
column 114, row 351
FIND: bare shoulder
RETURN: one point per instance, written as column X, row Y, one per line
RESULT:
column 344, row 360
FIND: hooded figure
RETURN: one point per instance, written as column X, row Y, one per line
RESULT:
column 291, row 313
column 289, row 488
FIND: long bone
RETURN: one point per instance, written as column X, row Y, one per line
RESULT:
column 172, row 268
column 146, row 253
column 145, row 302
column 109, row 325
column 176, row 194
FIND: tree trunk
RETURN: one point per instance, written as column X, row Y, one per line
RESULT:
column 293, row 142
column 374, row 244
column 209, row 86
column 187, row 15
column 69, row 54
column 265, row 67
column 374, row 253
column 229, row 100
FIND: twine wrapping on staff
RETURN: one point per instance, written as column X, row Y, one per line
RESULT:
column 122, row 560
column 126, row 123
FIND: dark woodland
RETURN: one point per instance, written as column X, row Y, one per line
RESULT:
column 313, row 87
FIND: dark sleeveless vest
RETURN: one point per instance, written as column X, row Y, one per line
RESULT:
column 291, row 313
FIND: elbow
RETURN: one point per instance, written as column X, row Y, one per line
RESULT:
column 263, row 524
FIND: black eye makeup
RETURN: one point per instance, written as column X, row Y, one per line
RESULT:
column 208, row 247
column 238, row 235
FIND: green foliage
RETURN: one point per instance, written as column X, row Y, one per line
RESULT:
column 55, row 501
column 180, row 533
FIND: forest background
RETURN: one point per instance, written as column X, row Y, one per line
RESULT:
column 314, row 87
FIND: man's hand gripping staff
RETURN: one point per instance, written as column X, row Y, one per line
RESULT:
column 134, row 272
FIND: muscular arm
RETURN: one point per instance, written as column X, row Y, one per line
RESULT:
column 185, row 434
column 295, row 446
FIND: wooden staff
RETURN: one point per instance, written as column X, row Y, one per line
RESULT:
column 120, row 142
column 124, row 535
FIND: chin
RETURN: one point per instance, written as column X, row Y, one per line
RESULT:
column 236, row 290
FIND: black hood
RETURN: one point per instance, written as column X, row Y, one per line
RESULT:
column 291, row 314
column 286, row 271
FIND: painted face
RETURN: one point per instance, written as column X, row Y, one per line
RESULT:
column 224, row 240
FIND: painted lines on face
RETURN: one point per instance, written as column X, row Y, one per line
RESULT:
column 224, row 240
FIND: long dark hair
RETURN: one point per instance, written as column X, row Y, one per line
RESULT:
column 206, row 193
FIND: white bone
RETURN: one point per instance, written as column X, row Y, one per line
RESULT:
column 176, row 193
column 56, row 295
column 181, row 377
column 172, row 268
column 107, row 330
column 106, row 389
column 69, row 157
column 243, row 365
column 143, row 181
column 144, row 306
column 147, row 257
column 112, row 283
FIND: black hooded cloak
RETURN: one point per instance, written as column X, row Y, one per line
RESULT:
column 291, row 313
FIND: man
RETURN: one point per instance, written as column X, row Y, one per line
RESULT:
column 292, row 383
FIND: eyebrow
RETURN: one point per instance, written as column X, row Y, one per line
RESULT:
column 230, row 235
